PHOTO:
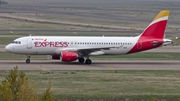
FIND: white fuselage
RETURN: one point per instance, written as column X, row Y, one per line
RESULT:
column 48, row 45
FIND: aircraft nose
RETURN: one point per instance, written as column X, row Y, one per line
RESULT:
column 8, row 48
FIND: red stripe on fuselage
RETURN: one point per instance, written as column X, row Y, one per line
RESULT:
column 153, row 33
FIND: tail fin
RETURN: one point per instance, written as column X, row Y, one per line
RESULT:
column 152, row 36
column 157, row 27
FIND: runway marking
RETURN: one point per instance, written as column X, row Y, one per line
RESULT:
column 42, row 68
column 111, row 68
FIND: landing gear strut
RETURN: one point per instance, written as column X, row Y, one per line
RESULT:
column 28, row 59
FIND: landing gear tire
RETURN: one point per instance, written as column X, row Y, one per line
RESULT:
column 28, row 58
column 81, row 60
column 28, row 61
column 88, row 61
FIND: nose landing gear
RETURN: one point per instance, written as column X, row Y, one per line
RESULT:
column 28, row 59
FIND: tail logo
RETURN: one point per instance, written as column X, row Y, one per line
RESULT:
column 152, row 36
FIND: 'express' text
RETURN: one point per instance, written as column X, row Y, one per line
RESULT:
column 51, row 44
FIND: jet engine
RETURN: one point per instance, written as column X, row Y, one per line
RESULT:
column 66, row 56
column 56, row 57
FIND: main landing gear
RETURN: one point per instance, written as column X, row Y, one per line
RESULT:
column 81, row 60
column 88, row 61
column 28, row 59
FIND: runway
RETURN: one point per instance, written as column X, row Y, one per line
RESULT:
column 97, row 64
column 47, row 65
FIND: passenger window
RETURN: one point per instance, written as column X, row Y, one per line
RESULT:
column 16, row 42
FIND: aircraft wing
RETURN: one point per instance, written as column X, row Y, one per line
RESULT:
column 88, row 48
column 85, row 50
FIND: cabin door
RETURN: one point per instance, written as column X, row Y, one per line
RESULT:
column 29, row 43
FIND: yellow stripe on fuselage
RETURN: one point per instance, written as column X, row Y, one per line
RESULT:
column 162, row 14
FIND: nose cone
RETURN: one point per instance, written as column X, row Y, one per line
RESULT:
column 8, row 48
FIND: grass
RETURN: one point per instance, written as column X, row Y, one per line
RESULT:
column 107, row 85
column 86, row 19
column 12, row 24
column 20, row 24
column 7, row 40
column 135, row 56
column 10, row 56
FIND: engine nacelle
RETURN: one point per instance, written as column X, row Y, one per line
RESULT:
column 66, row 56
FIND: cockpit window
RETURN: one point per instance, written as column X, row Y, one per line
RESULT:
column 16, row 42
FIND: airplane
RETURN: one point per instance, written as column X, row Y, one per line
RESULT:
column 72, row 48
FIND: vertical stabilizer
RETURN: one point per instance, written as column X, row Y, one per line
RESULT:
column 157, row 27
column 152, row 36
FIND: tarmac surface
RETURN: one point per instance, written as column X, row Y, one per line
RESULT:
column 47, row 65
column 97, row 64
